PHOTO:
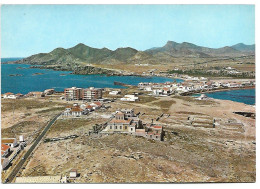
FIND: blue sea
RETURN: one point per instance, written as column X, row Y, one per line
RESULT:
column 246, row 96
column 53, row 79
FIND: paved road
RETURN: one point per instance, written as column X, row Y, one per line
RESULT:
column 28, row 153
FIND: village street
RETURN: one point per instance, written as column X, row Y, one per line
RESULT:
column 28, row 153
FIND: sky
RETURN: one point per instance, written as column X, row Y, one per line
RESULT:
column 31, row 29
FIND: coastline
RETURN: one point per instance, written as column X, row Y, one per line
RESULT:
column 226, row 89
column 151, row 76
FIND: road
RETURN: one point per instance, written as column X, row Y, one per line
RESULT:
column 28, row 153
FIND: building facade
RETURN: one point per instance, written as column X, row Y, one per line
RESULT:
column 87, row 94
column 12, row 142
column 91, row 94
column 123, row 123
column 73, row 93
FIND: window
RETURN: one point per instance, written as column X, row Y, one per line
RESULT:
column 125, row 127
column 110, row 127
column 131, row 129
column 156, row 136
column 151, row 136
column 115, row 127
column 120, row 127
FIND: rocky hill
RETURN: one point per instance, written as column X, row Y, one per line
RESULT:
column 244, row 48
column 191, row 50
column 73, row 57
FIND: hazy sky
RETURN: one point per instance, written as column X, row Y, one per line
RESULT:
column 31, row 29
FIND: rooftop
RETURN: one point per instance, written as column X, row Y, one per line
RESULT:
column 4, row 147
column 120, row 121
column 120, row 113
column 76, row 109
column 8, row 140
column 156, row 127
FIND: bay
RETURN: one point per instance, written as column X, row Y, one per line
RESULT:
column 19, row 78
column 246, row 96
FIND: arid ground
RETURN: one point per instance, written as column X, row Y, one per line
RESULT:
column 188, row 153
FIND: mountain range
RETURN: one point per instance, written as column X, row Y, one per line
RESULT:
column 84, row 53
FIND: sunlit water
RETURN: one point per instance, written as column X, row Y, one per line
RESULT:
column 59, row 80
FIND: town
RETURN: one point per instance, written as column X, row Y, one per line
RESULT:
column 123, row 112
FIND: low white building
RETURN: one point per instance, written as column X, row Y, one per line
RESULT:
column 157, row 92
column 131, row 98
column 73, row 173
column 49, row 91
column 9, row 96
column 148, row 88
column 74, row 111
column 21, row 138
column 12, row 142
column 202, row 97
column 114, row 92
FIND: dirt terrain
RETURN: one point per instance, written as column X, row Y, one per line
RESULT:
column 182, row 63
column 27, row 116
column 187, row 154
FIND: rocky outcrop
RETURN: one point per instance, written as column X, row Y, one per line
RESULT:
column 81, row 70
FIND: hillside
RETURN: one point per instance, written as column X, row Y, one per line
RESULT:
column 73, row 57
column 186, row 49
column 244, row 48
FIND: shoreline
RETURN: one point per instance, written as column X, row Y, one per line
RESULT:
column 227, row 89
column 231, row 89
column 113, row 73
column 156, row 75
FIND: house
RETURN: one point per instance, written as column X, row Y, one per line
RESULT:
column 203, row 79
column 131, row 98
column 89, row 108
column 148, row 88
column 121, row 123
column 49, row 91
column 5, row 150
column 114, row 92
column 73, row 173
column 157, row 92
column 74, row 111
column 128, row 112
column 21, row 138
column 154, row 132
column 125, row 121
column 96, row 105
column 166, row 91
column 9, row 96
column 143, row 84
column 140, row 132
column 35, row 94
column 19, row 95
column 202, row 97
column 12, row 142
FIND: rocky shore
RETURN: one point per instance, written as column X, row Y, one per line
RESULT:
column 85, row 70
column 80, row 70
